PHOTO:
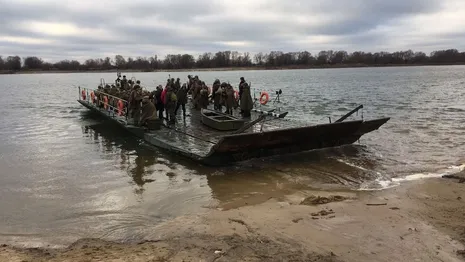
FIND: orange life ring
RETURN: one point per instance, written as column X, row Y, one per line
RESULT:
column 92, row 96
column 264, row 97
column 83, row 93
column 105, row 102
column 120, row 107
column 236, row 94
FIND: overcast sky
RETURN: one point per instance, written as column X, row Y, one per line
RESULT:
column 80, row 29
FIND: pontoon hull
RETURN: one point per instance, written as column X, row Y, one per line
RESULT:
column 228, row 148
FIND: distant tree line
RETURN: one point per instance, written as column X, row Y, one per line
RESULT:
column 234, row 59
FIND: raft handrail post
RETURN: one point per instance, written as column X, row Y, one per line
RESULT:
column 127, row 110
column 254, row 98
column 349, row 114
column 109, row 106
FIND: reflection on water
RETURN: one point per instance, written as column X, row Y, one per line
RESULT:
column 249, row 182
column 67, row 173
column 131, row 155
column 136, row 162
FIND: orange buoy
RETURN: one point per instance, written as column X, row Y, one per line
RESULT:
column 236, row 95
column 105, row 102
column 264, row 97
column 83, row 93
column 92, row 96
column 120, row 107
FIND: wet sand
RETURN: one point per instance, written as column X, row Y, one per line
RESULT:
column 418, row 221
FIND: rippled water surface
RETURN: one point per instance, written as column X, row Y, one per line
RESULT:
column 67, row 174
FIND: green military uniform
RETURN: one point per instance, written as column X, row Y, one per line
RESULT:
column 149, row 114
column 246, row 100
column 182, row 100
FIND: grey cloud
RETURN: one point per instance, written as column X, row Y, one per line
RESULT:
column 354, row 23
column 228, row 30
column 13, row 30
column 347, row 27
column 382, row 8
column 355, row 16
column 12, row 13
column 174, row 10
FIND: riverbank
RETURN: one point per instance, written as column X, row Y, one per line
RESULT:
column 258, row 68
column 418, row 221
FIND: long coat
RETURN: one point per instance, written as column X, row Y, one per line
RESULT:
column 246, row 98
column 217, row 95
column 203, row 98
column 230, row 100
column 149, row 112
column 182, row 95
column 135, row 98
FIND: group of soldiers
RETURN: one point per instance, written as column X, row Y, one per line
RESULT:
column 143, row 105
column 221, row 94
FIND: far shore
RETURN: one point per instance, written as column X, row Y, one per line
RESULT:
column 257, row 68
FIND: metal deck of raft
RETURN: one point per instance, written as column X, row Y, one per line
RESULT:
column 190, row 138
column 189, row 134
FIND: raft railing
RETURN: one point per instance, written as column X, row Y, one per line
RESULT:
column 86, row 93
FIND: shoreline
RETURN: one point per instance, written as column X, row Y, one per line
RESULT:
column 418, row 221
column 252, row 68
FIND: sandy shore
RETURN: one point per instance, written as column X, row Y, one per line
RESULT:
column 419, row 221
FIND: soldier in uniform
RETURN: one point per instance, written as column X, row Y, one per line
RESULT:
column 246, row 102
column 113, row 90
column 134, row 103
column 149, row 114
column 170, row 104
column 160, row 105
column 241, row 91
column 106, row 89
column 204, row 96
column 196, row 92
column 172, row 84
column 124, row 83
column 230, row 101
column 216, row 95
column 99, row 96
column 189, row 84
column 223, row 95
column 182, row 100
column 241, row 83
column 114, row 94
column 177, row 85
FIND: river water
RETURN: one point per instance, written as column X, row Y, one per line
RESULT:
column 66, row 174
